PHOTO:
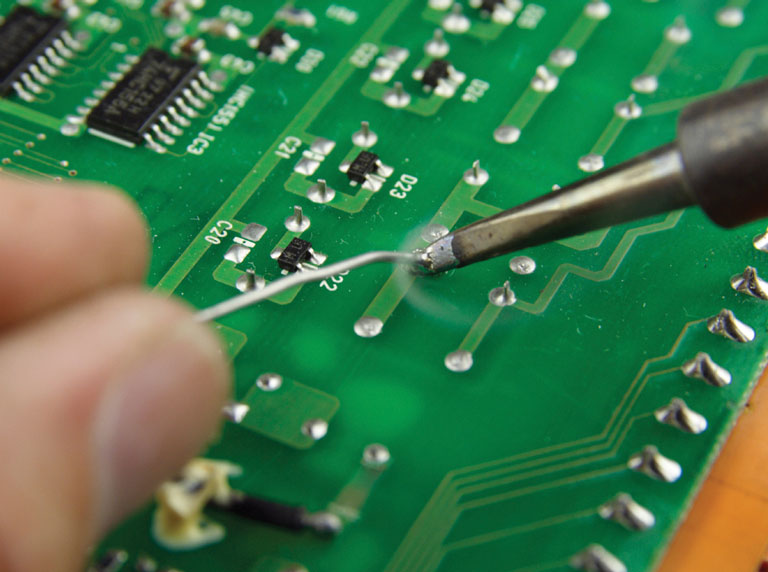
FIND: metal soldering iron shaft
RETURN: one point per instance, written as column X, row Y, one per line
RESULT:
column 719, row 162
column 647, row 185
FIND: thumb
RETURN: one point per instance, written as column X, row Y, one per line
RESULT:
column 98, row 403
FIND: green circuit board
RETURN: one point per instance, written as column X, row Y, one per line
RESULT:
column 510, row 428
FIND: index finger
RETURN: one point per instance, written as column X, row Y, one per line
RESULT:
column 60, row 242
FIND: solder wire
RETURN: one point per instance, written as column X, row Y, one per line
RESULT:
column 302, row 277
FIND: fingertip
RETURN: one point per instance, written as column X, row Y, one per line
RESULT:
column 112, row 395
column 108, row 212
column 82, row 238
column 159, row 411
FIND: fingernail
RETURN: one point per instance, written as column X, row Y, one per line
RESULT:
column 158, row 413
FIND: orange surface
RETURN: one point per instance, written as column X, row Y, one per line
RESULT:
column 727, row 528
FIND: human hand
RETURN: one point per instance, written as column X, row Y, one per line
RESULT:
column 105, row 389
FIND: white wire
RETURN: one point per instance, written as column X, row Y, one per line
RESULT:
column 302, row 277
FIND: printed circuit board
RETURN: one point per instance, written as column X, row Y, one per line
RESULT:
column 554, row 409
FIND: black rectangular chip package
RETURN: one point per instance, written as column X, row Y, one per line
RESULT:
column 131, row 108
column 24, row 36
column 364, row 164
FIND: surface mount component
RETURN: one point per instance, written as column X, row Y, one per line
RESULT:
column 269, row 40
column 274, row 44
column 363, row 165
column 131, row 109
column 435, row 71
column 297, row 252
column 24, row 38
column 489, row 5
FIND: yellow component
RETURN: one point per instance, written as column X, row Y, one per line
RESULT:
column 179, row 522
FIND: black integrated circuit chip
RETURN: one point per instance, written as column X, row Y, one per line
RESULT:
column 436, row 70
column 297, row 251
column 24, row 37
column 269, row 40
column 364, row 164
column 142, row 96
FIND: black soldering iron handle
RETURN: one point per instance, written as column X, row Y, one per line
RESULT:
column 723, row 142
